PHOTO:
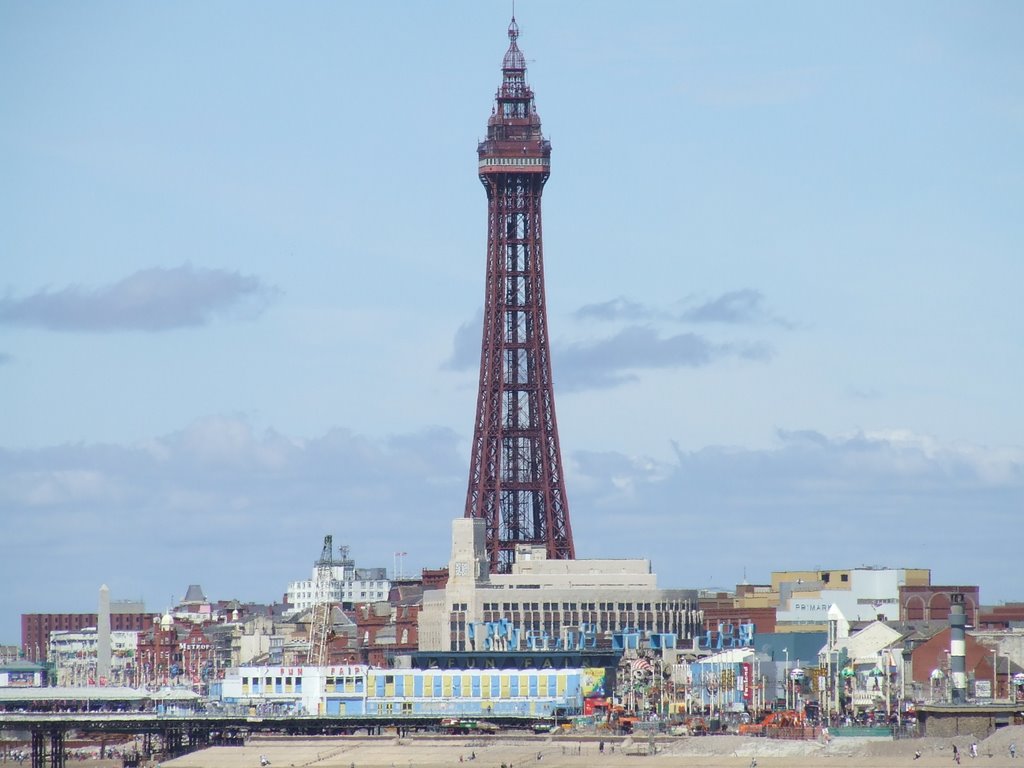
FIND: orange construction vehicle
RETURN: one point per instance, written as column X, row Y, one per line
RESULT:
column 775, row 721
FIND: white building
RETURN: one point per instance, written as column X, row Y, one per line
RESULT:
column 548, row 604
column 348, row 585
column 861, row 594
column 74, row 655
column 874, row 669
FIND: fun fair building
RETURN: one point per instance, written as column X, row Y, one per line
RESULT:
column 358, row 689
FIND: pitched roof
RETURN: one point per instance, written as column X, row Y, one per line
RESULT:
column 194, row 594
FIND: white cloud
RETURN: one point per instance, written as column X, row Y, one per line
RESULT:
column 893, row 498
column 243, row 511
column 58, row 486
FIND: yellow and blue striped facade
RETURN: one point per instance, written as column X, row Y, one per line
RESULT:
column 361, row 690
column 528, row 692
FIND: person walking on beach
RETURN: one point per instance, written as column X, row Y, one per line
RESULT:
column 1013, row 750
column 974, row 749
column 956, row 754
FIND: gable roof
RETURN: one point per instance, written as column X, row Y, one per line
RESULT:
column 864, row 645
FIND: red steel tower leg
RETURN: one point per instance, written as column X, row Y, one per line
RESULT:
column 516, row 483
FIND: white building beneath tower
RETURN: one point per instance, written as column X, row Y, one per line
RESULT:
column 349, row 584
column 548, row 604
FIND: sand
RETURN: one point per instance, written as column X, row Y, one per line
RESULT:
column 570, row 751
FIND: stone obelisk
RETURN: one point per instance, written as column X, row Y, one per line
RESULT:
column 103, row 637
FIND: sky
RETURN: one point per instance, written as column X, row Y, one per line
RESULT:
column 242, row 251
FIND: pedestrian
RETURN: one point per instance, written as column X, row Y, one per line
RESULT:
column 974, row 749
column 956, row 754
column 1013, row 750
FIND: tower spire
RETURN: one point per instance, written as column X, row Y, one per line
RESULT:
column 514, row 59
column 516, row 483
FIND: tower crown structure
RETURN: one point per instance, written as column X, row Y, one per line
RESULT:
column 514, row 139
column 516, row 483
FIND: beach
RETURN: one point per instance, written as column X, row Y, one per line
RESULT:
column 567, row 751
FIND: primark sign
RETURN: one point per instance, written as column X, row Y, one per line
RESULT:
column 805, row 610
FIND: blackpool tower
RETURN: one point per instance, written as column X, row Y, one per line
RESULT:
column 516, row 484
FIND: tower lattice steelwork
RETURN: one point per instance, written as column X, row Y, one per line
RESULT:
column 516, row 483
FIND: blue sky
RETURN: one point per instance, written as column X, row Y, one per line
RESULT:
column 243, row 262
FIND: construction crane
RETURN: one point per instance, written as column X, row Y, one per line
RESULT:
column 320, row 619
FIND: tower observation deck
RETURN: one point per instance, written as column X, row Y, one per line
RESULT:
column 516, row 482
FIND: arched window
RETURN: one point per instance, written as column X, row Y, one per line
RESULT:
column 938, row 607
column 914, row 608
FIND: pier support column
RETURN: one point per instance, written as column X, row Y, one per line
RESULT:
column 38, row 749
column 57, row 756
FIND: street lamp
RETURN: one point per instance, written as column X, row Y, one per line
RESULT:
column 995, row 663
column 785, row 676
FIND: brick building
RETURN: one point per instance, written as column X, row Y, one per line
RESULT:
column 386, row 630
column 128, row 616
column 158, row 654
column 931, row 602
column 929, row 664
column 724, row 613
column 1004, row 616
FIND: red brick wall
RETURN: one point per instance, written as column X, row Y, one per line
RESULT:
column 763, row 619
column 931, row 603
column 36, row 628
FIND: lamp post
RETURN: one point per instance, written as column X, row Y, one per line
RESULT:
column 1011, row 696
column 755, row 673
column 887, row 690
column 785, row 676
column 995, row 662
